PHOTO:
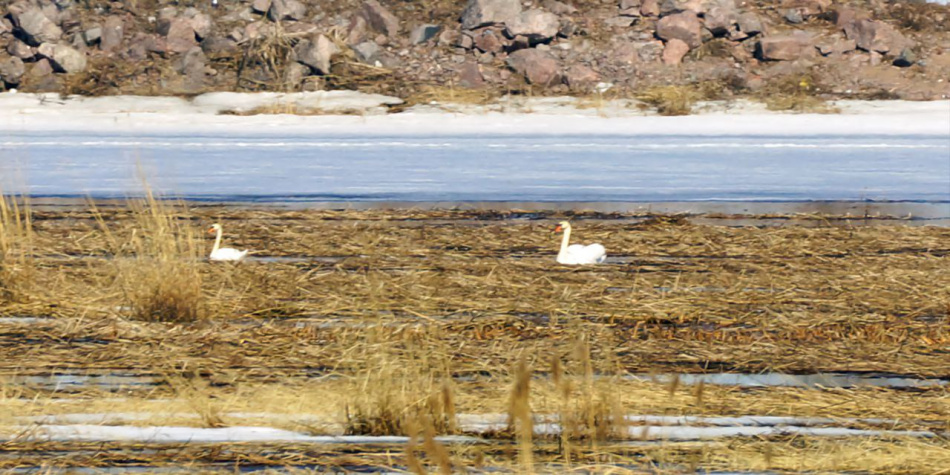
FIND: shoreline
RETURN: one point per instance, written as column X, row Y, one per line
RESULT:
column 349, row 113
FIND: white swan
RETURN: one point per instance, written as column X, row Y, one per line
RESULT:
column 578, row 253
column 219, row 253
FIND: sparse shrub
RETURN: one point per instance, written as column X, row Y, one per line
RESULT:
column 157, row 269
column 670, row 100
column 402, row 388
column 796, row 93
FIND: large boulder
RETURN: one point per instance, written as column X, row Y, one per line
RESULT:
column 537, row 66
column 480, row 13
column 11, row 70
column 21, row 50
column 380, row 19
column 668, row 7
column 786, row 47
column 750, row 24
column 684, row 26
column 535, row 25
column 581, row 78
column 872, row 35
column 316, row 52
column 720, row 19
column 36, row 27
column 63, row 58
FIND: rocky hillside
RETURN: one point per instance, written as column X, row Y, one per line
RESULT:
column 479, row 49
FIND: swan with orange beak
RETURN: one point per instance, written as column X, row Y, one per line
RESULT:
column 577, row 254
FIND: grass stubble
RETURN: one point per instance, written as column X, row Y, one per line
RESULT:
column 415, row 323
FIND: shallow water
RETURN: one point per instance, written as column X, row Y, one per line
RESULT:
column 811, row 381
column 491, row 168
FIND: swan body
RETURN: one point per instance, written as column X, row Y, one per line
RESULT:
column 576, row 254
column 219, row 253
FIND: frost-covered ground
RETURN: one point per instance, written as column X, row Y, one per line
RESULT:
column 537, row 150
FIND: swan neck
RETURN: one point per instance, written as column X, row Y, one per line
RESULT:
column 217, row 241
column 565, row 240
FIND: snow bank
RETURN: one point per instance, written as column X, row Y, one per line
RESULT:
column 546, row 116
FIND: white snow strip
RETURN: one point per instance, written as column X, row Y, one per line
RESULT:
column 126, row 114
column 171, row 434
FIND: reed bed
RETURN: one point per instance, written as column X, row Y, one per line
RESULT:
column 387, row 323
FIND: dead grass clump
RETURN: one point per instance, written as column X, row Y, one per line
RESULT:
column 680, row 99
column 15, row 242
column 452, row 95
column 796, row 93
column 405, row 385
column 157, row 268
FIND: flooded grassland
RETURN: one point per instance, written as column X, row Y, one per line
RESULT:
column 451, row 340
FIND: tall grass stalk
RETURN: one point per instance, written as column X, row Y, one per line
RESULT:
column 16, row 241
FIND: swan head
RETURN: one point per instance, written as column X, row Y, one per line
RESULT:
column 214, row 228
column 562, row 226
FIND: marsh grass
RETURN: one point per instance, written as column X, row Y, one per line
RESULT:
column 157, row 266
column 796, row 93
column 16, row 241
column 675, row 100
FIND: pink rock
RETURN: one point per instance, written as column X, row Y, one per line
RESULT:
column 480, row 13
column 837, row 47
column 470, row 75
column 580, row 77
column 537, row 67
column 871, row 35
column 488, row 42
column 674, row 51
column 381, row 19
column 19, row 49
column 785, row 47
column 650, row 8
column 682, row 26
column 180, row 36
column 536, row 25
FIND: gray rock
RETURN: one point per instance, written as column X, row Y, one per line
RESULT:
column 294, row 74
column 36, row 26
column 284, row 10
column 113, row 31
column 683, row 26
column 480, row 13
column 619, row 22
column 559, row 8
column 380, row 19
column 423, row 33
column 906, row 59
column 537, row 67
column 41, row 68
column 218, row 44
column 794, row 16
column 668, row 7
column 649, row 51
column 12, row 70
column 367, row 52
column 356, row 30
column 92, row 35
column 316, row 53
column 535, row 25
column 750, row 24
column 192, row 66
column 63, row 58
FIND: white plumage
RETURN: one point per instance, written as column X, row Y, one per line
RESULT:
column 219, row 253
column 576, row 254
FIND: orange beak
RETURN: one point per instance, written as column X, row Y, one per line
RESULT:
column 210, row 230
column 558, row 228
